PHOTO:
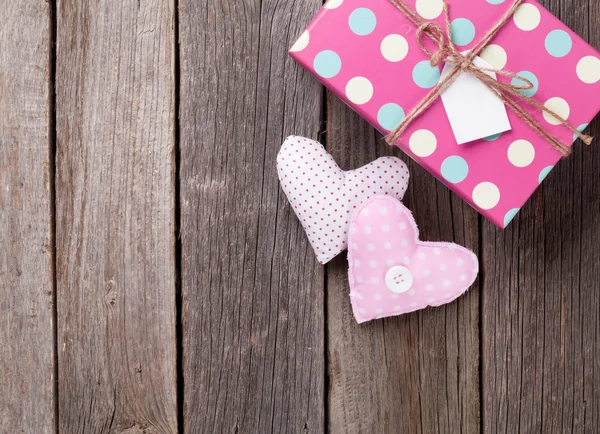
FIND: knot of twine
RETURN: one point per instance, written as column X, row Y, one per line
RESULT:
column 510, row 94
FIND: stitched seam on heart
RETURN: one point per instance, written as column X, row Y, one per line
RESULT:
column 352, row 282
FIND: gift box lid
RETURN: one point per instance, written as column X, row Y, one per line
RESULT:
column 366, row 52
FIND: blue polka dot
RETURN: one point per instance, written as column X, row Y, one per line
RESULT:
column 362, row 21
column 510, row 216
column 528, row 76
column 463, row 31
column 581, row 129
column 544, row 173
column 390, row 115
column 558, row 43
column 327, row 64
column 495, row 2
column 492, row 138
column 455, row 169
column 425, row 75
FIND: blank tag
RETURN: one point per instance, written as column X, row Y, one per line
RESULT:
column 474, row 110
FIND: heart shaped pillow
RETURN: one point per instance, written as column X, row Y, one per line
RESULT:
column 392, row 272
column 324, row 197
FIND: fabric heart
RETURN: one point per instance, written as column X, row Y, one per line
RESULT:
column 324, row 197
column 392, row 272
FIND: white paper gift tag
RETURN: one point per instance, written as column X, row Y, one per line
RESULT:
column 474, row 110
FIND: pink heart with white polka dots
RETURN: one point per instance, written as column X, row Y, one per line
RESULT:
column 392, row 272
column 324, row 197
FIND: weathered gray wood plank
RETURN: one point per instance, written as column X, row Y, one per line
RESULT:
column 26, row 288
column 253, row 292
column 115, row 216
column 418, row 372
column 541, row 316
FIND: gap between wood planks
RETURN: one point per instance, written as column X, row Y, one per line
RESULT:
column 52, row 186
column 177, row 221
column 326, row 379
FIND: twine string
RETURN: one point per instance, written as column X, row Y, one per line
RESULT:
column 510, row 94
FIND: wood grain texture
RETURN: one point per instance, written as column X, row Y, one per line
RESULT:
column 26, row 279
column 115, row 216
column 418, row 372
column 540, row 318
column 253, row 323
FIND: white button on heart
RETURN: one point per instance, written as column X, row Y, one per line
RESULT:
column 399, row 279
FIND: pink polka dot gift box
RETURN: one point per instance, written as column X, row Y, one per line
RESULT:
column 382, row 57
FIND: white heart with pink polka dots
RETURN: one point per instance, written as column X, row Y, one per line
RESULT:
column 324, row 197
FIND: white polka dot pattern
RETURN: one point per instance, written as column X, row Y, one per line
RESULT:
column 430, row 9
column 495, row 55
column 359, row 90
column 301, row 43
column 333, row 4
column 324, row 197
column 588, row 69
column 486, row 195
column 558, row 106
column 394, row 48
column 521, row 153
column 413, row 275
column 527, row 17
column 423, row 143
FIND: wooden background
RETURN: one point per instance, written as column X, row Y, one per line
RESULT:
column 153, row 278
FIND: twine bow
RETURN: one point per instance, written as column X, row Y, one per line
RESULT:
column 510, row 94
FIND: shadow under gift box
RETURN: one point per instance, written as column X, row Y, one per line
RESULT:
column 366, row 52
